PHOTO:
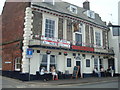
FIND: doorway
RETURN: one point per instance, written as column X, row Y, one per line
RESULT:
column 78, row 63
column 111, row 63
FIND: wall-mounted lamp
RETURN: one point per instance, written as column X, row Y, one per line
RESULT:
column 74, row 54
column 92, row 56
column 83, row 55
column 48, row 52
column 59, row 53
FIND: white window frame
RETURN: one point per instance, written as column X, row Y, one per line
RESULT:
column 16, row 63
column 51, row 17
column 70, row 63
column 100, row 40
column 73, row 7
column 51, row 35
column 48, row 61
column 98, row 63
column 80, row 31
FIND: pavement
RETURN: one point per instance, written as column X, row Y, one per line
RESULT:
column 75, row 81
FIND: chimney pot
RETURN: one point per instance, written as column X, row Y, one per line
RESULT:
column 86, row 5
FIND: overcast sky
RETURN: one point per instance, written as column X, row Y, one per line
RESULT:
column 107, row 9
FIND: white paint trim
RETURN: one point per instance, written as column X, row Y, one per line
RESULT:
column 51, row 17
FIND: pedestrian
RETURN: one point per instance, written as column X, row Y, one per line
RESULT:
column 97, row 72
column 102, row 72
column 54, row 74
column 42, row 73
column 112, row 71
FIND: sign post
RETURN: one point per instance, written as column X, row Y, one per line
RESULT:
column 29, row 55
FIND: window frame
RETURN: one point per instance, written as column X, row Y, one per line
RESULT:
column 69, row 62
column 98, row 39
column 45, row 64
column 87, row 62
column 50, row 28
column 80, row 31
column 16, row 63
column 117, row 32
column 73, row 7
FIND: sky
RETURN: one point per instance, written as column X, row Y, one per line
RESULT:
column 107, row 9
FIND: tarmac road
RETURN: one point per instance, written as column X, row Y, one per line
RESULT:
column 13, row 83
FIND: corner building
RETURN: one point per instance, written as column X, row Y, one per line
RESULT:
column 64, row 35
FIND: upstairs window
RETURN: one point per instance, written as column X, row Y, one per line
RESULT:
column 73, row 9
column 116, row 31
column 90, row 14
column 78, row 39
column 49, row 28
column 98, row 38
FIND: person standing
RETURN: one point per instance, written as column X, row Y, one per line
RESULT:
column 112, row 71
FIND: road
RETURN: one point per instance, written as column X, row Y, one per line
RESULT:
column 13, row 83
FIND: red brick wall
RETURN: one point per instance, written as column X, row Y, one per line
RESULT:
column 12, row 32
column 10, row 52
column 12, row 20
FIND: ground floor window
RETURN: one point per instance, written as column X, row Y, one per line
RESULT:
column 48, row 61
column 101, row 63
column 96, row 63
column 17, row 63
column 68, row 62
column 87, row 62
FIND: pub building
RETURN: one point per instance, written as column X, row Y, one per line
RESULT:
column 63, row 35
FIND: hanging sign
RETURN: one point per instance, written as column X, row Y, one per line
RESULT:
column 49, row 41
column 64, row 43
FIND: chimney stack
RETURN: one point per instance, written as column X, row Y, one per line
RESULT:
column 86, row 5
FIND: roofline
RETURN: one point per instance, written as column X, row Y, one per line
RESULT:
column 69, row 15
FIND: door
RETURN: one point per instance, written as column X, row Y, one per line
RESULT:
column 78, row 63
column 111, row 63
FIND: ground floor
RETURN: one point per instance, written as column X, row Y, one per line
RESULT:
column 64, row 61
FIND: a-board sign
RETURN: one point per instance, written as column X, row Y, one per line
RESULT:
column 75, row 71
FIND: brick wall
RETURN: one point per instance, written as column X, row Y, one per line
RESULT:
column 12, row 32
column 10, row 52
